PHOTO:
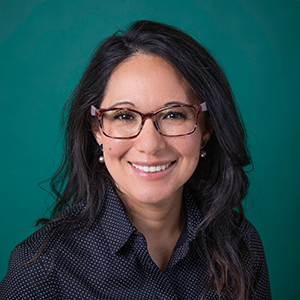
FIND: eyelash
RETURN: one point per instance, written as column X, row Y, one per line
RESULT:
column 176, row 113
column 125, row 113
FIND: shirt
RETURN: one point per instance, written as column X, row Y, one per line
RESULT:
column 110, row 261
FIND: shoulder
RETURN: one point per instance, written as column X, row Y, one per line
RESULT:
column 26, row 250
column 255, row 261
column 38, row 264
column 30, row 263
column 251, row 237
column 23, row 276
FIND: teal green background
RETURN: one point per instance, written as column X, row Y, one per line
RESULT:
column 44, row 47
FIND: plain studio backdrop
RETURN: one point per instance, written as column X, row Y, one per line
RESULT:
column 44, row 48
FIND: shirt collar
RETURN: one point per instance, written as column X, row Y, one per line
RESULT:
column 114, row 221
column 194, row 216
column 118, row 228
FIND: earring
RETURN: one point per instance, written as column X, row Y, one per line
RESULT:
column 202, row 152
column 101, row 157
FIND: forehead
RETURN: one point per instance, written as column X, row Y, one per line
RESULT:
column 147, row 79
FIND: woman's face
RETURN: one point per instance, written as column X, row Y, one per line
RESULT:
column 146, row 83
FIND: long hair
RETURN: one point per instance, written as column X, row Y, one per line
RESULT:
column 219, row 182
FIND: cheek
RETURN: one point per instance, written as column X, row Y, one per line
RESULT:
column 189, row 148
column 192, row 156
column 194, row 151
column 196, row 146
column 114, row 150
column 195, row 142
column 112, row 154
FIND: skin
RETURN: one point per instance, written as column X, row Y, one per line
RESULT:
column 147, row 83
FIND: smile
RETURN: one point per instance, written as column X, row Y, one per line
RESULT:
column 151, row 169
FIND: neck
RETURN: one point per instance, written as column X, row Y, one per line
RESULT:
column 158, row 219
column 161, row 224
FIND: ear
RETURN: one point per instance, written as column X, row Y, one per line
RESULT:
column 208, row 130
column 97, row 132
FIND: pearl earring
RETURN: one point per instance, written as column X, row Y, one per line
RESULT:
column 101, row 157
column 202, row 152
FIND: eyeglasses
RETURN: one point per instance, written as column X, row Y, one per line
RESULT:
column 125, row 123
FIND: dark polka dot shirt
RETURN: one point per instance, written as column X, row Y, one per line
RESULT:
column 110, row 261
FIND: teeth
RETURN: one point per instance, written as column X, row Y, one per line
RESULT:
column 152, row 169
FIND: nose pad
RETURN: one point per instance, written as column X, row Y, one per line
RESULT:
column 150, row 140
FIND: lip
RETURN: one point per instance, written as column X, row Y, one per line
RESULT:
column 152, row 170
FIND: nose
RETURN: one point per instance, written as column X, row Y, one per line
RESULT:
column 149, row 140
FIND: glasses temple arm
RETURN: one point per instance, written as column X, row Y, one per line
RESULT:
column 93, row 110
column 203, row 106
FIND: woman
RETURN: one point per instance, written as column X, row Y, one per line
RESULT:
column 150, row 188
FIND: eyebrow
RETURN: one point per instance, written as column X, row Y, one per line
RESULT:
column 123, row 103
column 175, row 103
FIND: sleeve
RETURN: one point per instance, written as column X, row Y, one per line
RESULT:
column 256, row 264
column 26, row 281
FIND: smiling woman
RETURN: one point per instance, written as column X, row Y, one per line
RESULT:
column 146, row 83
column 150, row 188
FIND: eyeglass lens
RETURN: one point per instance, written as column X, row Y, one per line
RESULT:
column 127, row 123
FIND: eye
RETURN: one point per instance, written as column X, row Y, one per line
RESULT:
column 124, row 115
column 177, row 115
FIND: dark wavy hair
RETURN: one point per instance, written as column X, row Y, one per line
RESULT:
column 219, row 183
